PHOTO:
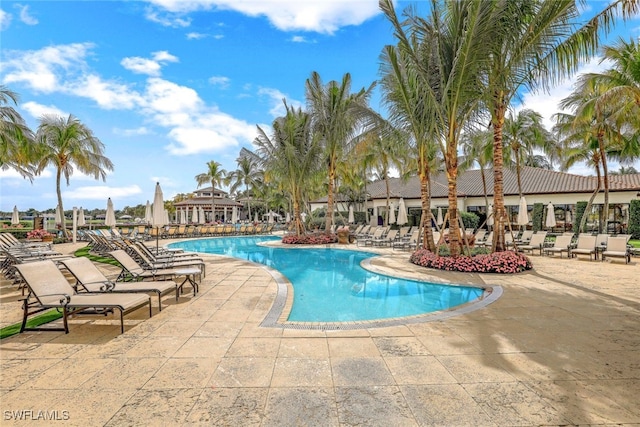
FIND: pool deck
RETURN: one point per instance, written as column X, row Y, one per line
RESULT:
column 560, row 346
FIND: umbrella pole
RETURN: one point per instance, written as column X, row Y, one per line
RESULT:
column 157, row 240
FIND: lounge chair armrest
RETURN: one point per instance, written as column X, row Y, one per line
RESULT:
column 64, row 298
column 107, row 286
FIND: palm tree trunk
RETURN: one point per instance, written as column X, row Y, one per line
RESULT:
column 425, row 219
column 605, row 172
column 498, row 180
column 451, row 162
column 329, row 217
column 484, row 189
column 386, row 183
column 517, row 154
column 587, row 209
column 248, row 201
column 59, row 194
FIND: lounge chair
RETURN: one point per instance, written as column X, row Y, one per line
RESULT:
column 132, row 271
column 48, row 288
column 586, row 245
column 536, row 242
column 150, row 263
column 562, row 244
column 91, row 279
column 617, row 248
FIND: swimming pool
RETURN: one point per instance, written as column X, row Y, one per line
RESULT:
column 331, row 286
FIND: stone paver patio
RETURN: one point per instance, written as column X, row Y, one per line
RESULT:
column 560, row 346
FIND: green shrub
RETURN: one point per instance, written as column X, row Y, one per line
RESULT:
column 538, row 210
column 634, row 219
column 470, row 220
column 580, row 208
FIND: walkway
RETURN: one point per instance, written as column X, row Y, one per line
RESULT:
column 561, row 346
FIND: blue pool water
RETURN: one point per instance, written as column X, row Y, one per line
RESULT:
column 330, row 286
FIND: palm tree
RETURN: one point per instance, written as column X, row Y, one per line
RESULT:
column 588, row 109
column 214, row 175
column 335, row 114
column 65, row 144
column 534, row 44
column 580, row 146
column 246, row 175
column 16, row 139
column 445, row 56
column 523, row 133
column 477, row 147
column 291, row 156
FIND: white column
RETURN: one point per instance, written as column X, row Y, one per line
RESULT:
column 75, row 223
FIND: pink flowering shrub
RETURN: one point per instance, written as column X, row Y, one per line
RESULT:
column 310, row 239
column 497, row 262
column 38, row 234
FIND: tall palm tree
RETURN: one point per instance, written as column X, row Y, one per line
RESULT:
column 522, row 134
column 534, row 44
column 445, row 57
column 291, row 157
column 580, row 146
column 67, row 143
column 335, row 114
column 585, row 102
column 477, row 148
column 214, row 175
column 16, row 139
column 246, row 175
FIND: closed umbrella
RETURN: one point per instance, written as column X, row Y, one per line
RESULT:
column 523, row 217
column 183, row 216
column 402, row 213
column 351, row 216
column 490, row 216
column 392, row 214
column 15, row 216
column 147, row 213
column 201, row 218
column 550, row 222
column 58, row 215
column 255, row 217
column 440, row 221
column 288, row 218
column 110, row 216
column 194, row 215
column 270, row 217
column 81, row 220
column 159, row 215
column 234, row 215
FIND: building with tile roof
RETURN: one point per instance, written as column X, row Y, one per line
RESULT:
column 202, row 198
column 544, row 186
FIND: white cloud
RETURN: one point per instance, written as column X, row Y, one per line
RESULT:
column 547, row 103
column 221, row 81
column 191, row 124
column 141, row 65
column 101, row 192
column 41, row 69
column 195, row 36
column 166, row 21
column 275, row 98
column 25, row 16
column 5, row 20
column 320, row 16
column 164, row 56
column 131, row 132
column 146, row 66
column 298, row 39
column 38, row 110
column 108, row 95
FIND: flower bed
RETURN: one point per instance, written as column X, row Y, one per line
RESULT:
column 497, row 262
column 39, row 234
column 310, row 239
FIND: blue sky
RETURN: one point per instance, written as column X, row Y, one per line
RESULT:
column 169, row 85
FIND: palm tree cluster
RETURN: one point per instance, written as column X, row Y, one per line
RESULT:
column 62, row 142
